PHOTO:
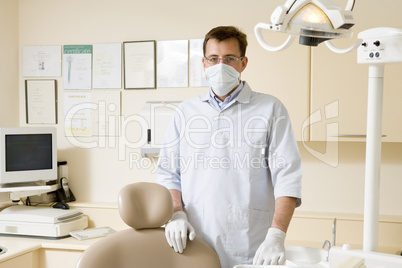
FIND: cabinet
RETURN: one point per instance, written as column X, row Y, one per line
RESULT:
column 27, row 260
column 339, row 91
column 44, row 258
column 50, row 258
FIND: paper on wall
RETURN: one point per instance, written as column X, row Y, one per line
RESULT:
column 41, row 61
column 77, row 63
column 77, row 114
column 107, row 65
column 172, row 63
column 197, row 75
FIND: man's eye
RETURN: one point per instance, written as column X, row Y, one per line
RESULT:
column 213, row 59
column 230, row 59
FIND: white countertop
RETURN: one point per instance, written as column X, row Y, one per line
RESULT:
column 99, row 215
column 17, row 246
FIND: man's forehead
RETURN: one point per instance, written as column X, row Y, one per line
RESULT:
column 231, row 45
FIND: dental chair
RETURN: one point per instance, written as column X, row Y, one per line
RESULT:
column 145, row 207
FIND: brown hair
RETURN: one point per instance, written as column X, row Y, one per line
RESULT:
column 222, row 33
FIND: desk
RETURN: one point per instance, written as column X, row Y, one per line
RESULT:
column 60, row 253
column 42, row 253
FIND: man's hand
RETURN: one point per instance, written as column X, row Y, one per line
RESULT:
column 272, row 249
column 176, row 231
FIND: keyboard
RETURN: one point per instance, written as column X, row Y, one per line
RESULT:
column 92, row 233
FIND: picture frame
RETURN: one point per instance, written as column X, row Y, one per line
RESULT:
column 139, row 64
column 41, row 101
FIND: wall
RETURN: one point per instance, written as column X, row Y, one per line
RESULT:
column 98, row 174
column 9, row 63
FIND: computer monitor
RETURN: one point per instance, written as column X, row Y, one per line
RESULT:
column 28, row 155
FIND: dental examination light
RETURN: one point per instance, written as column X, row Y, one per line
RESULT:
column 319, row 21
column 314, row 21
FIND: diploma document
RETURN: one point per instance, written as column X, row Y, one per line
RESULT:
column 41, row 101
column 106, row 66
column 139, row 65
column 41, row 61
column 77, row 63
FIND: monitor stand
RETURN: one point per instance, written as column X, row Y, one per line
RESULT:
column 19, row 190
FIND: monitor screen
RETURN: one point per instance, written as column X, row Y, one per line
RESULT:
column 28, row 155
column 28, row 152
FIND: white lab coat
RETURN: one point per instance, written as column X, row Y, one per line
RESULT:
column 230, row 165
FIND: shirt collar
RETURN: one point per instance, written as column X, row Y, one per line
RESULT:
column 228, row 98
column 243, row 95
column 207, row 96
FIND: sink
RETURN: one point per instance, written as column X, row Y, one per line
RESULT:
column 306, row 257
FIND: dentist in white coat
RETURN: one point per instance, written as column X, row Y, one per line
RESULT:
column 231, row 163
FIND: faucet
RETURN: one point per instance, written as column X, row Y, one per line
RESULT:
column 334, row 238
column 329, row 247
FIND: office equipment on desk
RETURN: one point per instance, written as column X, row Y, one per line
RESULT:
column 61, row 205
column 92, row 233
column 27, row 155
column 61, row 192
column 64, row 193
column 41, row 221
column 28, row 161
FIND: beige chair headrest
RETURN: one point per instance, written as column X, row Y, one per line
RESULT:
column 145, row 205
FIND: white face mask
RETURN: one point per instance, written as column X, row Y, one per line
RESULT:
column 222, row 78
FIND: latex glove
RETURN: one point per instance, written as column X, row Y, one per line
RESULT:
column 272, row 250
column 176, row 231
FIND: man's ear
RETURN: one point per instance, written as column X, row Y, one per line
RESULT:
column 244, row 62
column 203, row 66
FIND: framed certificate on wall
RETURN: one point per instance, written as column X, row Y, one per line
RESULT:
column 41, row 101
column 139, row 64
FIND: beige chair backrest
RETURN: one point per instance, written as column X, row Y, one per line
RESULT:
column 146, row 207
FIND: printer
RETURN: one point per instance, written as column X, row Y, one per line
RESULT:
column 44, row 222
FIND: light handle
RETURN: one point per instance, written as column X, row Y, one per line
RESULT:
column 258, row 33
column 344, row 50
